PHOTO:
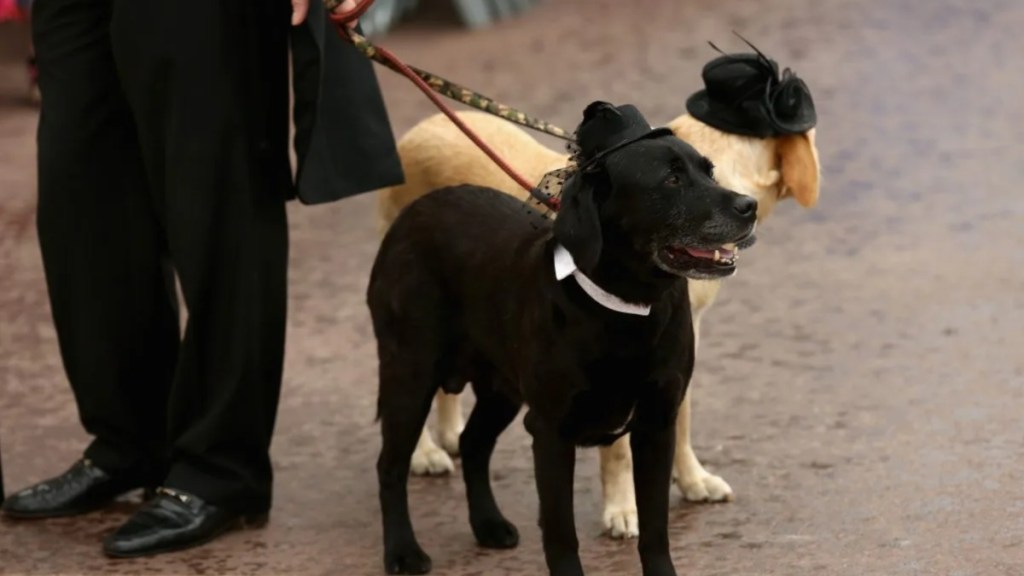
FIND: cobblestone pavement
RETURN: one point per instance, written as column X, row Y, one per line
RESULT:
column 860, row 382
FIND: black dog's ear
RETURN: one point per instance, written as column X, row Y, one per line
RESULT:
column 578, row 224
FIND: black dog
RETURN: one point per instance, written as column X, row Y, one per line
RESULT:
column 468, row 287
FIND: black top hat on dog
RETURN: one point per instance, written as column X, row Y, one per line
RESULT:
column 606, row 128
column 744, row 94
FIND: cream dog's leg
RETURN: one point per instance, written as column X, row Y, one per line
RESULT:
column 617, row 486
column 696, row 483
column 449, row 421
column 427, row 458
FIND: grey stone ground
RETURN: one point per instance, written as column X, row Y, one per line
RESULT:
column 860, row 385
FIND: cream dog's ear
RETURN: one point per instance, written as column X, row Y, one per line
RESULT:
column 801, row 172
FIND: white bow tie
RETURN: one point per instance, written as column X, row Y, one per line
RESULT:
column 565, row 266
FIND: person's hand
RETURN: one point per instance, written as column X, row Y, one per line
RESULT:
column 301, row 7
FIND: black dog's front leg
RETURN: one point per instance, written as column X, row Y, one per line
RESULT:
column 554, row 463
column 653, row 449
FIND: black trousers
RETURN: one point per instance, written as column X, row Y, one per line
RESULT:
column 163, row 153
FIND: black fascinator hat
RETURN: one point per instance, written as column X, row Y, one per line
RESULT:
column 745, row 94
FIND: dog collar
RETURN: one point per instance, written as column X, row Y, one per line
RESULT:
column 566, row 266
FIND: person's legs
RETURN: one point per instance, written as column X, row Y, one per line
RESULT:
column 33, row 77
column 208, row 83
column 109, row 286
column 33, row 69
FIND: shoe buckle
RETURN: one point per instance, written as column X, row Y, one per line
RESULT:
column 183, row 498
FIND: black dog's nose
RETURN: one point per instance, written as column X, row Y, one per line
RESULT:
column 744, row 205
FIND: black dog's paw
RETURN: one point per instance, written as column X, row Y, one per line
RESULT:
column 406, row 560
column 566, row 564
column 658, row 566
column 496, row 533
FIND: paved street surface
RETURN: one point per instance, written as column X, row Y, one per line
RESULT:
column 861, row 381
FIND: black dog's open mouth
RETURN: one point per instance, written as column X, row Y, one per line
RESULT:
column 704, row 262
column 717, row 261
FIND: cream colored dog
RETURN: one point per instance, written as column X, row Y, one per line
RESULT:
column 435, row 154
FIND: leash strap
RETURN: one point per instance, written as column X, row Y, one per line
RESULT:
column 464, row 95
column 431, row 85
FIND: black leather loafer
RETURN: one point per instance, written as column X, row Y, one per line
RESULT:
column 174, row 520
column 83, row 488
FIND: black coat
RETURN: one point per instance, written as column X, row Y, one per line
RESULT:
column 343, row 137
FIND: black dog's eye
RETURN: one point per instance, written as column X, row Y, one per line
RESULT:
column 708, row 166
column 673, row 180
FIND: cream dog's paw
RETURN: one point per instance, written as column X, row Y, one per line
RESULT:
column 620, row 520
column 431, row 461
column 702, row 486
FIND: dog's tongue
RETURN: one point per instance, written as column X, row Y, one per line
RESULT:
column 710, row 254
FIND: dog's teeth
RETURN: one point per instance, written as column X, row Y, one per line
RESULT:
column 718, row 256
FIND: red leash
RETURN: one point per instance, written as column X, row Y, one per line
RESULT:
column 341, row 21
